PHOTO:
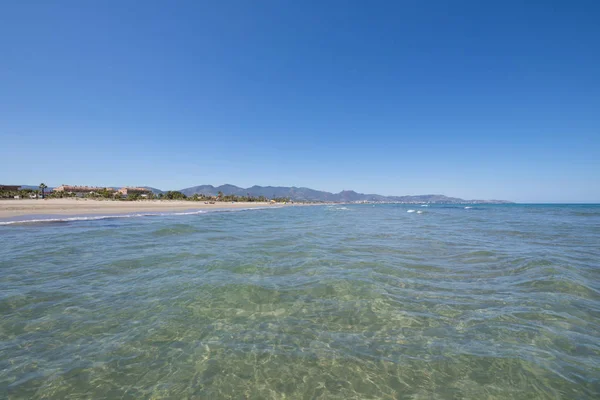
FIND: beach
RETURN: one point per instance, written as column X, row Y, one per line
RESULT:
column 18, row 208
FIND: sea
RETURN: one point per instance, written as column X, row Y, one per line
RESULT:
column 319, row 302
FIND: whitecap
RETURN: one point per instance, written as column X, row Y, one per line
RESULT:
column 184, row 213
column 147, row 214
column 466, row 208
column 70, row 219
column 411, row 211
column 339, row 209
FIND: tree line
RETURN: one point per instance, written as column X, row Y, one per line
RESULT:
column 175, row 195
column 110, row 194
column 11, row 194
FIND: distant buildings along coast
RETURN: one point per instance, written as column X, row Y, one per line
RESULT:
column 127, row 191
column 80, row 191
column 9, row 188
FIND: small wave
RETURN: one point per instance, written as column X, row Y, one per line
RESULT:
column 411, row 211
column 184, row 213
column 466, row 208
column 586, row 214
column 560, row 285
column 51, row 220
column 424, row 205
column 70, row 219
column 419, row 212
column 177, row 229
column 222, row 210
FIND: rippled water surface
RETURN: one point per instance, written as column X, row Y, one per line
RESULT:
column 325, row 302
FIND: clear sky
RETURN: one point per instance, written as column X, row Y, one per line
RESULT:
column 475, row 99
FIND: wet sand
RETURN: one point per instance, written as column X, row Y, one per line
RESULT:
column 17, row 208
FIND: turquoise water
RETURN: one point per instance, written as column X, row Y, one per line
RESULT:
column 324, row 302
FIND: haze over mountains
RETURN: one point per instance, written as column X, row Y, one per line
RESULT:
column 306, row 194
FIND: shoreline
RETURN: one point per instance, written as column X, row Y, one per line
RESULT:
column 10, row 209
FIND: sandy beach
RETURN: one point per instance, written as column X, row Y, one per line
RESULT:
column 18, row 208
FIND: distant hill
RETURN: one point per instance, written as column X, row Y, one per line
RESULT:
column 306, row 194
column 154, row 190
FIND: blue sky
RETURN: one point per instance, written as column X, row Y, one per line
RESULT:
column 474, row 99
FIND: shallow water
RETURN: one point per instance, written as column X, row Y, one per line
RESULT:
column 336, row 302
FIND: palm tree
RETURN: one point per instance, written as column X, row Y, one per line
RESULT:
column 43, row 186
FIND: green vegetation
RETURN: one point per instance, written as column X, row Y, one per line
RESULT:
column 61, row 195
column 105, row 193
column 133, row 196
column 10, row 194
column 174, row 195
column 42, row 188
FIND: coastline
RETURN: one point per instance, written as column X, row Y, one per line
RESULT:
column 71, row 207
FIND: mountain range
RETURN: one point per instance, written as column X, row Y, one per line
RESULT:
column 306, row 194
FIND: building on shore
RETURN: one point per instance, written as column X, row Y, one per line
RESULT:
column 79, row 191
column 128, row 191
column 9, row 188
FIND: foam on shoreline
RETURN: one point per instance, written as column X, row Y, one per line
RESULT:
column 38, row 219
